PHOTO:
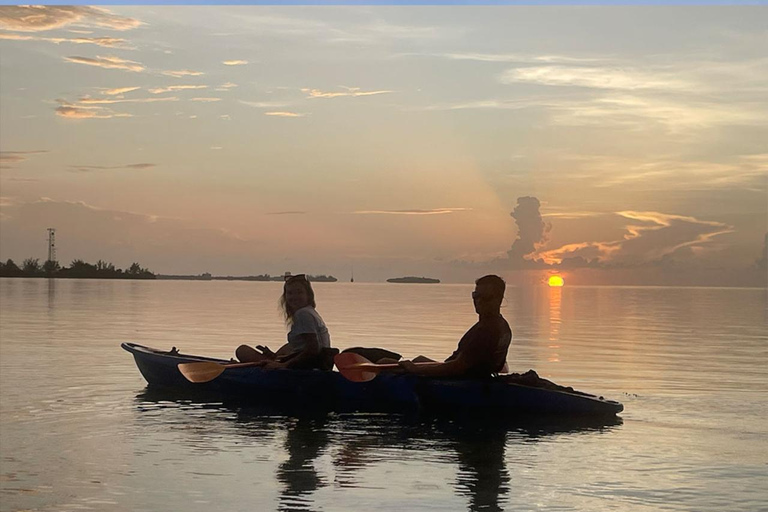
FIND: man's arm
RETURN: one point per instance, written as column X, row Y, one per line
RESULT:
column 456, row 367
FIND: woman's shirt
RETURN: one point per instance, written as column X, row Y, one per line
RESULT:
column 308, row 321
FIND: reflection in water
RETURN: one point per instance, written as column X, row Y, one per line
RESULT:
column 306, row 439
column 51, row 294
column 483, row 476
column 357, row 441
column 555, row 302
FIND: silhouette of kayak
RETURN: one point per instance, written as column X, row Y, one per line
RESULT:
column 388, row 392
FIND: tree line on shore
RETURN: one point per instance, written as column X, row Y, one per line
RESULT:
column 31, row 267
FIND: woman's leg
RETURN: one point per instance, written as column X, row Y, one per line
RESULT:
column 246, row 354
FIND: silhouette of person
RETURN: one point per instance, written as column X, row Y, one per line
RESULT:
column 308, row 335
column 482, row 351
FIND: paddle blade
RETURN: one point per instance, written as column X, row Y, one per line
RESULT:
column 354, row 367
column 201, row 372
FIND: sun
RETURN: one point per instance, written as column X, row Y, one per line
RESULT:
column 556, row 281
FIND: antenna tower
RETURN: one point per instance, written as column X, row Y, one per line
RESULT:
column 51, row 244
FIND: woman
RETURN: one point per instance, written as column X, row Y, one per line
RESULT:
column 307, row 338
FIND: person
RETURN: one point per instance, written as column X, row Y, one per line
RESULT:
column 482, row 351
column 308, row 338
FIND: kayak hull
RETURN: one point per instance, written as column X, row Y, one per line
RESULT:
column 387, row 392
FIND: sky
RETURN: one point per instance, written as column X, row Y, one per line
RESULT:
column 610, row 144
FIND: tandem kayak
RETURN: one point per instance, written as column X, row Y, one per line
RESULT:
column 387, row 392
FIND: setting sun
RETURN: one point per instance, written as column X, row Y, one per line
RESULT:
column 556, row 281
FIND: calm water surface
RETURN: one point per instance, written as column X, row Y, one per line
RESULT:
column 80, row 431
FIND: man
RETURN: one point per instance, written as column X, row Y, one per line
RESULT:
column 482, row 351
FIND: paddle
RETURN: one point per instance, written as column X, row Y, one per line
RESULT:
column 206, row 371
column 356, row 368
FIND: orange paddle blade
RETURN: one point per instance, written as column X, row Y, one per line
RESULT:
column 201, row 372
column 206, row 371
column 355, row 367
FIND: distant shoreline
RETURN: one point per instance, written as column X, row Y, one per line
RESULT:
column 262, row 278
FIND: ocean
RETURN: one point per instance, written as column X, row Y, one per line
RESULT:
column 79, row 430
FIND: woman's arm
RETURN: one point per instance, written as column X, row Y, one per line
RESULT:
column 311, row 350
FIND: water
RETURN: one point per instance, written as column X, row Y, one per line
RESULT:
column 79, row 430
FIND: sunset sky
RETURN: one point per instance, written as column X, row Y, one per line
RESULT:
column 614, row 145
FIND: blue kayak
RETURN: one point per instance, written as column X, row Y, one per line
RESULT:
column 387, row 392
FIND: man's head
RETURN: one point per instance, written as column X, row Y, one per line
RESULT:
column 488, row 294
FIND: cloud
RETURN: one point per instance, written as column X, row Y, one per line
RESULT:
column 264, row 104
column 621, row 78
column 108, row 62
column 742, row 171
column 15, row 157
column 508, row 57
column 650, row 238
column 351, row 91
column 101, row 101
column 79, row 112
column 225, row 87
column 205, row 100
column 160, row 90
column 182, row 73
column 107, row 42
column 90, row 108
column 91, row 168
column 675, row 114
column 119, row 91
column 284, row 114
column 531, row 230
column 234, row 62
column 39, row 18
column 434, row 211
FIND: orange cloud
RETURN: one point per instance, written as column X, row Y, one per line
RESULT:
column 108, row 62
column 108, row 42
column 351, row 91
column 182, row 72
column 101, row 101
column 119, row 90
column 74, row 112
column 234, row 62
column 39, row 18
column 649, row 238
column 160, row 90
column 284, row 114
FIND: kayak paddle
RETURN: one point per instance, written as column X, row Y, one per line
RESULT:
column 356, row 368
column 206, row 371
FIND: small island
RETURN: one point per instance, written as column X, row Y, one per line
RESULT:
column 411, row 279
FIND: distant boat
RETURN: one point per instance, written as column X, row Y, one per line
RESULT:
column 411, row 279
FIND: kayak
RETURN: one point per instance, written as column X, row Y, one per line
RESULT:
column 387, row 392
